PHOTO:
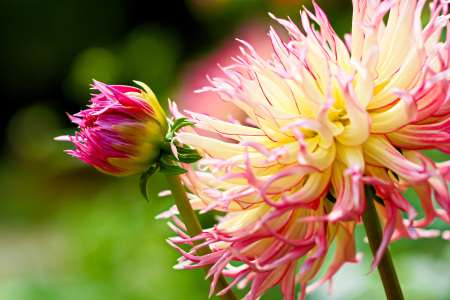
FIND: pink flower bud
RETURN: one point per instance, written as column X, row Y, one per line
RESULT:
column 122, row 131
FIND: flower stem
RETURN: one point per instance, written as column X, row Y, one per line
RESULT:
column 385, row 267
column 193, row 228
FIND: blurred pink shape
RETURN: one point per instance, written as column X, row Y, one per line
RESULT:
column 195, row 75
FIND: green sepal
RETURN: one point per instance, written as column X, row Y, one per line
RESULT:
column 165, row 147
column 144, row 179
column 189, row 158
column 185, row 153
column 186, row 150
column 177, row 125
column 185, row 158
column 180, row 123
column 170, row 169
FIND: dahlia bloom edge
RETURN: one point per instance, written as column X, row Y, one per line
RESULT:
column 327, row 117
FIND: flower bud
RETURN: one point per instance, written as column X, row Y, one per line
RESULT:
column 122, row 131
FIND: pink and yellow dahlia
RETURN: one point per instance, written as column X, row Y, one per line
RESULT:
column 325, row 119
column 122, row 131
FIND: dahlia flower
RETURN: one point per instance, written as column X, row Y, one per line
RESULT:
column 327, row 118
column 122, row 131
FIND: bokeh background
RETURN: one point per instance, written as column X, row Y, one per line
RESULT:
column 69, row 232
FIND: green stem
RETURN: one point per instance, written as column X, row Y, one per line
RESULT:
column 386, row 268
column 193, row 228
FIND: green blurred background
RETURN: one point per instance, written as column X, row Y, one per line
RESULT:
column 69, row 232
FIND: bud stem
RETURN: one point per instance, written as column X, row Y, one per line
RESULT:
column 193, row 228
column 386, row 268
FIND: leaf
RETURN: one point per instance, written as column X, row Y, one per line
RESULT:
column 144, row 179
column 180, row 123
column 185, row 153
column 171, row 169
column 177, row 122
column 177, row 125
column 186, row 150
column 190, row 158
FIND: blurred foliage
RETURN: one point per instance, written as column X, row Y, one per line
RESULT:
column 69, row 232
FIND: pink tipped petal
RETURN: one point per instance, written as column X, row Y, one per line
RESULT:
column 394, row 118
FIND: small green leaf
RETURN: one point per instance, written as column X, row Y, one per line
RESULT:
column 186, row 150
column 190, row 158
column 180, row 123
column 171, row 169
column 144, row 179
column 171, row 156
column 177, row 122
